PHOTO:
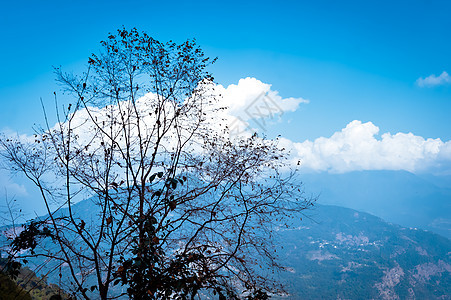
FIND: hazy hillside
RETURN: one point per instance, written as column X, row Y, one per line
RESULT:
column 27, row 286
column 340, row 253
column 344, row 254
column 396, row 196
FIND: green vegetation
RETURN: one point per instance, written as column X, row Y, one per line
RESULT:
column 28, row 286
column 353, row 255
column 10, row 290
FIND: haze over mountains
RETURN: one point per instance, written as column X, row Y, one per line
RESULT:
column 396, row 196
column 341, row 253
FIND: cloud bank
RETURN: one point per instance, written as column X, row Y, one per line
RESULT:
column 357, row 147
column 433, row 80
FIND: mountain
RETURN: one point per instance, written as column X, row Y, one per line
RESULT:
column 396, row 196
column 340, row 253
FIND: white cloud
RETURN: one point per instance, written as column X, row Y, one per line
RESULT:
column 357, row 147
column 433, row 80
column 254, row 101
column 9, row 187
column 241, row 98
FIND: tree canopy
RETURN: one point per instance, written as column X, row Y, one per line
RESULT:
column 183, row 208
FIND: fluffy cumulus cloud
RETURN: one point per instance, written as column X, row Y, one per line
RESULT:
column 250, row 95
column 357, row 147
column 433, row 80
column 249, row 99
column 252, row 101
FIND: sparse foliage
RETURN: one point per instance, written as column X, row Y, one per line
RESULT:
column 183, row 209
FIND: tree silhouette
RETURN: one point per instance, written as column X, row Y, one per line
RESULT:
column 183, row 208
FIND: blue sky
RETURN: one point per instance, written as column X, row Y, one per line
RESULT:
column 353, row 60
column 357, row 62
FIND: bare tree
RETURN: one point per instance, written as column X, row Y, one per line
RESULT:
column 182, row 208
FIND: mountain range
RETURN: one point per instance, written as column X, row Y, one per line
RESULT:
column 417, row 201
column 338, row 252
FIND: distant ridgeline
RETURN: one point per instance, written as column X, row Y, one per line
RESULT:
column 340, row 253
column 396, row 196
